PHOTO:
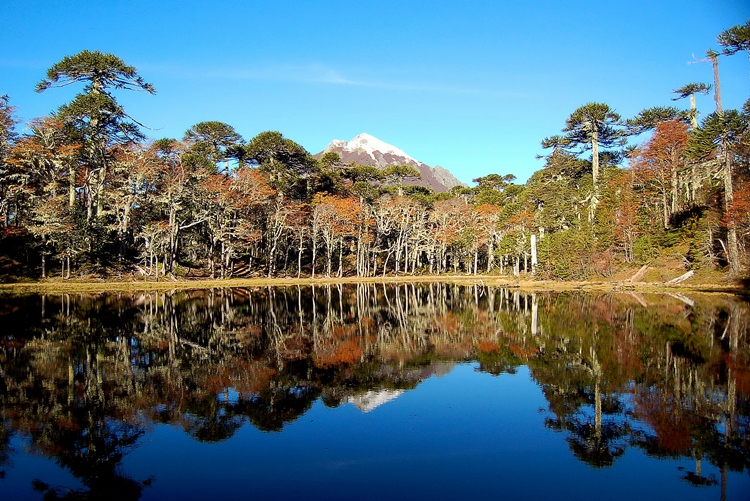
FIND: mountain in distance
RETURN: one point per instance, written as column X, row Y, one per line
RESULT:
column 369, row 150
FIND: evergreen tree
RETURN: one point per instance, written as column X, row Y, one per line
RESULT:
column 590, row 127
column 94, row 116
column 690, row 90
column 735, row 39
column 212, row 143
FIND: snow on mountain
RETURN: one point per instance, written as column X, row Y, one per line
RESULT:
column 369, row 400
column 370, row 145
column 366, row 149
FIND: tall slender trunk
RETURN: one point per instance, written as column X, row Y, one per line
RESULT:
column 71, row 186
column 314, row 256
column 595, row 158
column 100, row 192
column 693, row 112
column 717, row 85
column 299, row 257
column 732, row 245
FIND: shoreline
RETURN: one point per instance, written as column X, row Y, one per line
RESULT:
column 484, row 280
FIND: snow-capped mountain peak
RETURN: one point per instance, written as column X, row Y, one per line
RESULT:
column 366, row 149
column 370, row 144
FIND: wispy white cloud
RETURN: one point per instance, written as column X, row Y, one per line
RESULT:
column 321, row 74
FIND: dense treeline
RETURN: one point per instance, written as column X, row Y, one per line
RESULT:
column 84, row 192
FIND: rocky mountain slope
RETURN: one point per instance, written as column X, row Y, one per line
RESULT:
column 369, row 150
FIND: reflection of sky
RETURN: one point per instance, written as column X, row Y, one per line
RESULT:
column 465, row 434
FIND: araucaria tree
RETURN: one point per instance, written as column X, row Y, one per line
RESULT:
column 591, row 127
column 725, row 132
column 690, row 90
column 735, row 39
column 94, row 116
column 82, row 190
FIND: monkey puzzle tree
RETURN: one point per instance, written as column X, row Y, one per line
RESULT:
column 8, row 122
column 590, row 127
column 286, row 162
column 724, row 132
column 94, row 116
column 735, row 39
column 649, row 118
column 211, row 143
column 395, row 175
column 690, row 90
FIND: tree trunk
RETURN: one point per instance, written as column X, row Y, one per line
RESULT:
column 71, row 187
column 299, row 258
column 595, row 161
column 674, row 187
column 100, row 192
column 314, row 255
column 341, row 252
column 490, row 255
column 717, row 86
column 732, row 245
column 694, row 112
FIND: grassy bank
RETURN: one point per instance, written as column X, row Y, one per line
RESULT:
column 83, row 285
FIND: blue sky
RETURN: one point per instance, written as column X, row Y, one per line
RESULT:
column 473, row 86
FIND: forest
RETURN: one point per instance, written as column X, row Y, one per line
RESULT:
column 84, row 193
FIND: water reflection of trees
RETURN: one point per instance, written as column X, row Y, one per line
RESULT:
column 84, row 376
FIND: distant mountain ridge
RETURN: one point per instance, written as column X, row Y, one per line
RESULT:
column 369, row 150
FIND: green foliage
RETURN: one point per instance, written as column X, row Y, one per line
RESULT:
column 97, row 120
column 728, row 128
column 645, row 248
column 98, row 70
column 420, row 193
column 494, row 189
column 211, row 143
column 8, row 122
column 567, row 255
column 287, row 163
column 649, row 118
column 363, row 173
column 690, row 89
column 558, row 193
column 365, row 190
column 735, row 39
column 591, row 119
column 330, row 160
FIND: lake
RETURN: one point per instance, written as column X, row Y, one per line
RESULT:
column 374, row 391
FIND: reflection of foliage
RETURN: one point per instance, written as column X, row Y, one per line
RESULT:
column 598, row 448
column 82, row 379
column 6, row 432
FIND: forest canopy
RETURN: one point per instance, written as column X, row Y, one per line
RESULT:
column 84, row 192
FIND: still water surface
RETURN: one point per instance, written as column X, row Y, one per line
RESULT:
column 372, row 392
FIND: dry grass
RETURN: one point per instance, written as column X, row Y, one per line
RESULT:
column 73, row 286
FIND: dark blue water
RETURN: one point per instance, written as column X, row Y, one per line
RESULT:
column 426, row 426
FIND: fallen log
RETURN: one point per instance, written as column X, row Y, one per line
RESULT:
column 681, row 278
column 639, row 274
